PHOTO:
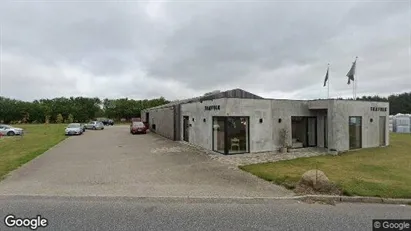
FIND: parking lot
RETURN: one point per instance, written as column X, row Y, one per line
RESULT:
column 112, row 162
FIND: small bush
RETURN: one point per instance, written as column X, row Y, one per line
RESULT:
column 47, row 119
column 70, row 118
column 59, row 119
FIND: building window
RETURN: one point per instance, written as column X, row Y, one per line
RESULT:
column 355, row 132
column 231, row 135
column 237, row 132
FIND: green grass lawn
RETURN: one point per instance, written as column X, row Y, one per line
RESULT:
column 16, row 151
column 381, row 172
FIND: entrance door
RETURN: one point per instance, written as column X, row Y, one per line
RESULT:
column 325, row 132
column 186, row 125
column 147, row 120
column 312, row 131
column 382, row 130
column 355, row 132
column 219, row 134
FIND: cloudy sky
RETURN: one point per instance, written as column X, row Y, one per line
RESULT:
column 180, row 49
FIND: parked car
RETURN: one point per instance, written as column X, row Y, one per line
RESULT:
column 74, row 129
column 95, row 125
column 8, row 130
column 147, row 125
column 108, row 122
column 138, row 128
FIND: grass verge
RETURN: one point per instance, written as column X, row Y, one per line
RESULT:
column 381, row 172
column 16, row 151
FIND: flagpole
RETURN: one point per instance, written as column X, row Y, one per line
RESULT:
column 355, row 88
column 328, row 90
column 353, row 91
column 356, row 79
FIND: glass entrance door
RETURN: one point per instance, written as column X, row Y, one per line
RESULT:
column 186, row 127
column 355, row 133
column 219, row 134
column 312, row 131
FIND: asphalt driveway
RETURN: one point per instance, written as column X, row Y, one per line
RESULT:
column 113, row 162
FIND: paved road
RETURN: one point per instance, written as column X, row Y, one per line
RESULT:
column 95, row 213
column 112, row 162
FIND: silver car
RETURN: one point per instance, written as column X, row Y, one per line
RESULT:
column 95, row 125
column 8, row 130
column 74, row 129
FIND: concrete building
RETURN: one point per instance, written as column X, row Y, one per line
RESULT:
column 237, row 121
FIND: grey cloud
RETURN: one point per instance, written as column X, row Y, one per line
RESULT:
column 373, row 12
column 275, row 48
column 227, row 44
column 73, row 32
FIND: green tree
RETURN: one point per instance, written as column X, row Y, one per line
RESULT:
column 59, row 119
column 70, row 118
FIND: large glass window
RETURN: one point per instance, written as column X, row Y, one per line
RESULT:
column 231, row 135
column 237, row 131
column 355, row 134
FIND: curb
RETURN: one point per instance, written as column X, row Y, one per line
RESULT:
column 356, row 199
column 340, row 199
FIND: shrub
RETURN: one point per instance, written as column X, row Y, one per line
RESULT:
column 47, row 119
column 70, row 118
column 59, row 119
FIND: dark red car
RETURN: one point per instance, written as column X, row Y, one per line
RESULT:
column 138, row 127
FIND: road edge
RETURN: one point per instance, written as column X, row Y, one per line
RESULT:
column 337, row 199
column 356, row 199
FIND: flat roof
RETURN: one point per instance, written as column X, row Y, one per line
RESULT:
column 233, row 93
column 242, row 94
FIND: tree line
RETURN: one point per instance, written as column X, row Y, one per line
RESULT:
column 82, row 109
column 73, row 109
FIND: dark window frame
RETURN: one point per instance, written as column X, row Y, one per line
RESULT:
column 361, row 126
column 226, row 140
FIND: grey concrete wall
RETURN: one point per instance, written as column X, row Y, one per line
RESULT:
column 284, row 110
column 177, row 122
column 163, row 118
column 320, row 129
column 143, row 115
column 200, row 132
column 339, row 116
column 318, row 104
column 256, row 109
column 265, row 136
